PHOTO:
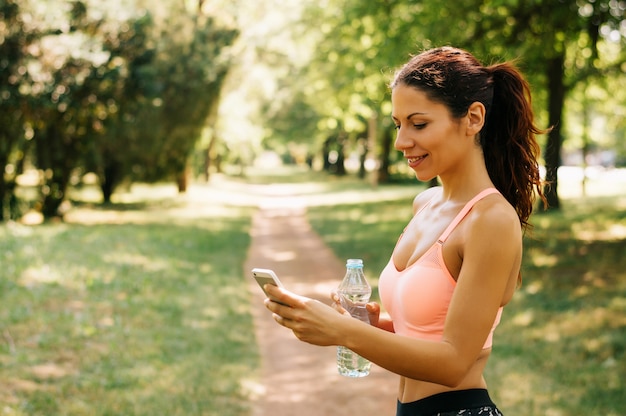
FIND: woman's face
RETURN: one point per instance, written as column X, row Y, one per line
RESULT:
column 431, row 140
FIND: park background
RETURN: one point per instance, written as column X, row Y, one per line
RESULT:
column 137, row 139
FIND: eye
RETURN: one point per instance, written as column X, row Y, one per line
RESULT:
column 396, row 126
column 420, row 126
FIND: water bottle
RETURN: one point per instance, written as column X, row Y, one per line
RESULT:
column 354, row 293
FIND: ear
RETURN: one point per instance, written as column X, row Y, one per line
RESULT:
column 475, row 118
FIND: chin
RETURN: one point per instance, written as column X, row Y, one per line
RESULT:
column 424, row 178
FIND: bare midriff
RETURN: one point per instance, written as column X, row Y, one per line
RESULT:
column 411, row 390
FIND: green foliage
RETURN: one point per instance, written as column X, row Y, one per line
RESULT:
column 146, row 314
column 172, row 85
column 125, row 88
column 13, row 141
column 106, row 88
column 560, row 45
column 168, row 73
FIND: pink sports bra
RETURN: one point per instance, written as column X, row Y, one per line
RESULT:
column 417, row 298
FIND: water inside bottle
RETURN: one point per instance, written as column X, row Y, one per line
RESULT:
column 354, row 292
column 355, row 305
column 350, row 364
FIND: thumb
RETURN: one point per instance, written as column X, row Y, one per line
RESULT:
column 373, row 308
column 373, row 312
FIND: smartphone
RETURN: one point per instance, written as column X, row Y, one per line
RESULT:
column 264, row 277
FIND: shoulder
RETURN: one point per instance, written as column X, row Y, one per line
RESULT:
column 493, row 217
column 423, row 197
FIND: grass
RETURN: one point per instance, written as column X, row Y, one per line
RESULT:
column 560, row 349
column 141, row 308
column 565, row 339
column 133, row 310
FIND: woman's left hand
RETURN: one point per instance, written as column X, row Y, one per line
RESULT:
column 310, row 320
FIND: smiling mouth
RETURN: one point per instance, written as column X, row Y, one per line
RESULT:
column 416, row 159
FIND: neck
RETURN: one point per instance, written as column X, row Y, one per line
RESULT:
column 466, row 180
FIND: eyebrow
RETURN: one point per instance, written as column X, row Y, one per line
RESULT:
column 417, row 113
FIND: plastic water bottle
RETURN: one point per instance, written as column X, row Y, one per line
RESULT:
column 354, row 293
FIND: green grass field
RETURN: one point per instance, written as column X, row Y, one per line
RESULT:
column 141, row 308
column 133, row 310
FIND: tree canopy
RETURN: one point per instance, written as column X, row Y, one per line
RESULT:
column 136, row 90
column 563, row 47
column 118, row 88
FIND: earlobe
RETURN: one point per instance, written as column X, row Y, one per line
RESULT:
column 475, row 118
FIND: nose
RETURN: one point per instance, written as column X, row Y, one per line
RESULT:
column 402, row 142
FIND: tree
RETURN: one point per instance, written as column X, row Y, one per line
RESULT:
column 66, row 98
column 63, row 125
column 174, row 72
column 194, row 70
column 14, row 135
column 360, row 44
column 105, row 89
column 127, row 93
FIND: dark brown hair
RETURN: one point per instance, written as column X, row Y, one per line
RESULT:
column 456, row 79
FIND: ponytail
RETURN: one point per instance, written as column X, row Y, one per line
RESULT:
column 508, row 141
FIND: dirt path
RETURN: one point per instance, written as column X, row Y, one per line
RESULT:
column 296, row 378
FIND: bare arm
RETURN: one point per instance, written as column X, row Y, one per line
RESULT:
column 491, row 254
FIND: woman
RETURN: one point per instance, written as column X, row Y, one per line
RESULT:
column 457, row 263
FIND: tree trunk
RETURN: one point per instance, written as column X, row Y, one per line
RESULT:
column 340, row 166
column 182, row 179
column 383, row 170
column 362, row 157
column 552, row 154
column 12, row 149
column 53, row 197
column 57, row 154
column 208, row 154
column 326, row 154
column 4, row 189
column 112, row 174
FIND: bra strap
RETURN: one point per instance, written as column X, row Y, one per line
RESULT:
column 466, row 209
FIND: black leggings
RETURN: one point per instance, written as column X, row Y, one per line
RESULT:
column 473, row 402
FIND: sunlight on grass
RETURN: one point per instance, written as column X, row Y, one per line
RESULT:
column 127, row 310
column 542, row 260
column 586, row 231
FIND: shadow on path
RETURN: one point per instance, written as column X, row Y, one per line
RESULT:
column 297, row 378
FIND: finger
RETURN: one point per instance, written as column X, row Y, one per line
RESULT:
column 282, row 296
column 279, row 319
column 275, row 306
column 339, row 308
column 281, row 313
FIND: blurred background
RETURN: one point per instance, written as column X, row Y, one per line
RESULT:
column 123, row 91
column 139, row 138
